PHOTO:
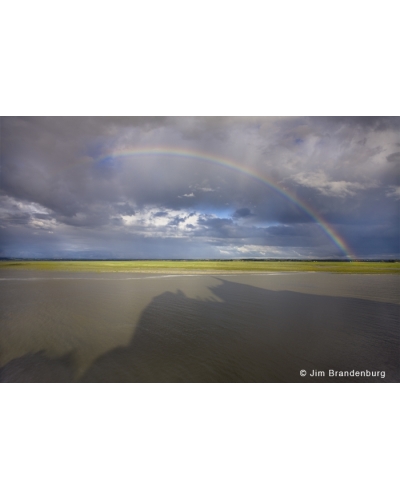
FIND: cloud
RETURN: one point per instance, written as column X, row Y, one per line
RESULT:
column 320, row 181
column 394, row 157
column 242, row 212
column 394, row 191
column 64, row 192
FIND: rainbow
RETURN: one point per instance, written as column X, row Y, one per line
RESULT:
column 217, row 160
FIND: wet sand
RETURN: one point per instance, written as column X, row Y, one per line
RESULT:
column 135, row 327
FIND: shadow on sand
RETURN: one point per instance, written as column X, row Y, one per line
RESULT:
column 250, row 335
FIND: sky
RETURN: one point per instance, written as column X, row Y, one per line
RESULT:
column 200, row 187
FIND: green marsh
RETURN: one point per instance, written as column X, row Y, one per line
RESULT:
column 200, row 266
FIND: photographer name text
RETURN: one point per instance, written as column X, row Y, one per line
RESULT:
column 344, row 373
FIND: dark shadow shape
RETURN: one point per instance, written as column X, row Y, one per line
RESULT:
column 37, row 367
column 255, row 335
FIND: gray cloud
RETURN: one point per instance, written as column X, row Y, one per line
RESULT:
column 242, row 212
column 64, row 191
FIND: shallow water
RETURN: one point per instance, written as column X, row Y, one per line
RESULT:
column 127, row 327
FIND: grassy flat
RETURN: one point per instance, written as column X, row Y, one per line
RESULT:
column 155, row 266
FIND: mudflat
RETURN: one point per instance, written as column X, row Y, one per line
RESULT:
column 247, row 327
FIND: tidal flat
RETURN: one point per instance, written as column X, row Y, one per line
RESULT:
column 74, row 326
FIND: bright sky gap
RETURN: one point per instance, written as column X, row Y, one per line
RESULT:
column 196, row 155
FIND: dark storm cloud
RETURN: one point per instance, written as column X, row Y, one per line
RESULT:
column 176, row 221
column 242, row 212
column 376, row 123
column 64, row 193
column 390, row 174
column 124, row 209
column 394, row 157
